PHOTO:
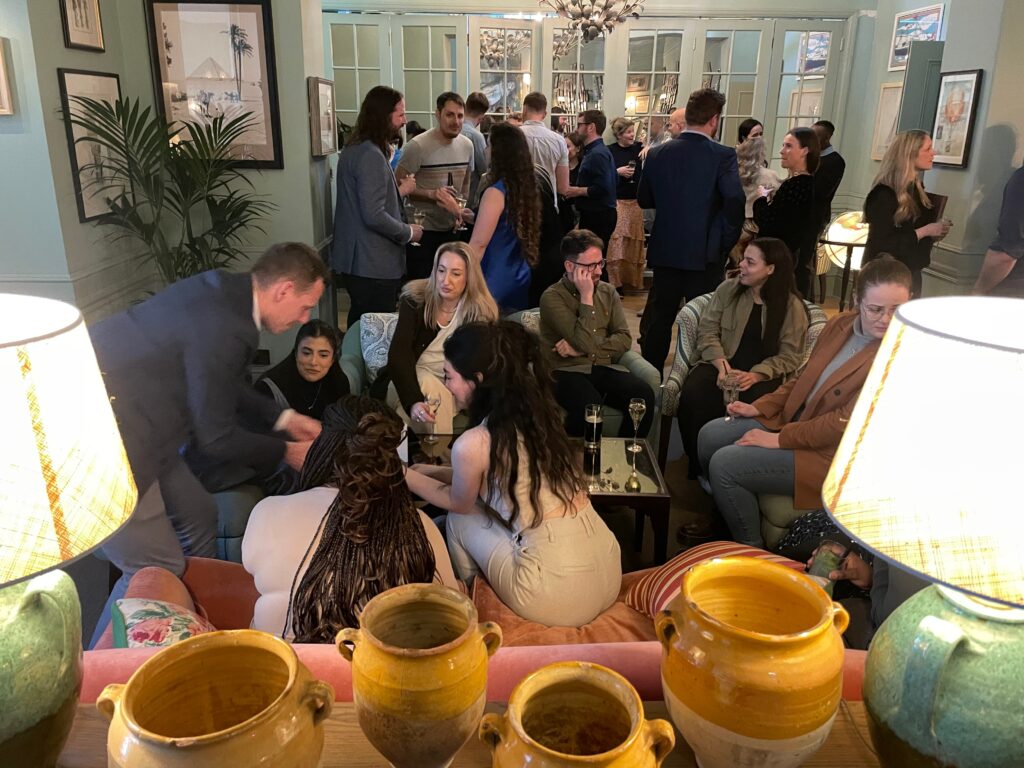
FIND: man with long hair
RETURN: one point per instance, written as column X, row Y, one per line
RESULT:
column 370, row 230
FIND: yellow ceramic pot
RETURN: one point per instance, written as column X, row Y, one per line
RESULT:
column 752, row 663
column 419, row 672
column 216, row 700
column 574, row 714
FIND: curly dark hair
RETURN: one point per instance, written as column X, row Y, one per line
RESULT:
column 374, row 121
column 515, row 393
column 512, row 163
column 372, row 538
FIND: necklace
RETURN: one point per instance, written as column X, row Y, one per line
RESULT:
column 316, row 396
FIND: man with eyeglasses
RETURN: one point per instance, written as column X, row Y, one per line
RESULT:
column 584, row 336
column 596, row 179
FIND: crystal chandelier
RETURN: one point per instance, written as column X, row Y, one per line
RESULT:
column 497, row 45
column 595, row 17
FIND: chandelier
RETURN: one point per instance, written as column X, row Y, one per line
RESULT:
column 565, row 42
column 498, row 45
column 595, row 17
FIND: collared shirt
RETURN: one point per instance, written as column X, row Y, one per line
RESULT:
column 599, row 332
column 698, row 133
column 828, row 150
column 286, row 414
column 597, row 174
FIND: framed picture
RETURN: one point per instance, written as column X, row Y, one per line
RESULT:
column 919, row 24
column 87, row 158
column 323, row 133
column 211, row 59
column 6, row 99
column 886, row 118
column 82, row 25
column 954, row 117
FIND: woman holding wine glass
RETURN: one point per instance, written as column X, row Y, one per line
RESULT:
column 626, row 245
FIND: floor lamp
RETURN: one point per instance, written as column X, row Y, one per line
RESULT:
column 844, row 241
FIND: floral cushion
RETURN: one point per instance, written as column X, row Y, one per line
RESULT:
column 654, row 591
column 375, row 332
column 139, row 623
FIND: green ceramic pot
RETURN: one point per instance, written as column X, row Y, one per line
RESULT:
column 40, row 668
column 944, row 682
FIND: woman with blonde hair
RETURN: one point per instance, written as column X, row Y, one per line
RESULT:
column 901, row 217
column 626, row 245
column 429, row 310
column 753, row 174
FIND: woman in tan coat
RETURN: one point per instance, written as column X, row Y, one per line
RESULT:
column 784, row 442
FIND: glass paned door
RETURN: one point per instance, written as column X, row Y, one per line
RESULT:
column 573, row 72
column 429, row 54
column 353, row 46
column 654, row 69
column 501, row 61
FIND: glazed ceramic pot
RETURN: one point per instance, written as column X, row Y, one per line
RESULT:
column 215, row 700
column 752, row 663
column 574, row 714
column 40, row 668
column 943, row 683
column 419, row 672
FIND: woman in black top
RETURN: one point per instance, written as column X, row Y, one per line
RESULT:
column 626, row 247
column 309, row 379
column 789, row 215
column 901, row 218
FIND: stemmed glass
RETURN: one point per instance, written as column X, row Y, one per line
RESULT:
column 637, row 409
column 418, row 217
column 433, row 402
column 730, row 392
column 461, row 200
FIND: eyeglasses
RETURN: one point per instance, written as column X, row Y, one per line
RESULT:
column 582, row 122
column 595, row 265
column 876, row 312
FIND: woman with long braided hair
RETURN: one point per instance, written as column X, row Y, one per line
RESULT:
column 352, row 532
column 517, row 502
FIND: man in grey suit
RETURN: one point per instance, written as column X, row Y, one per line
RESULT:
column 370, row 231
column 175, row 368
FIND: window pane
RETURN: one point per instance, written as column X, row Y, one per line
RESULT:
column 425, row 119
column 638, row 88
column 782, row 126
column 745, row 47
column 791, row 51
column 417, row 92
column 668, row 51
column 592, row 55
column 441, row 82
column 342, row 52
column 348, row 118
column 817, row 52
column 665, row 93
column 809, row 103
column 368, row 45
column 414, row 47
column 715, row 81
column 492, row 49
column 368, row 78
column 641, row 50
column 789, row 87
column 716, row 52
column 493, row 85
column 739, row 99
column 575, row 93
column 442, row 49
column 593, row 88
column 519, row 49
column 345, row 94
column 566, row 46
column 730, row 130
column 516, row 88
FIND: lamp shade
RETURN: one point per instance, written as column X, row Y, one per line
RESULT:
column 926, row 474
column 847, row 229
column 65, row 482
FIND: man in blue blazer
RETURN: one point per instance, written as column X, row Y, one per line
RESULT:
column 175, row 368
column 693, row 183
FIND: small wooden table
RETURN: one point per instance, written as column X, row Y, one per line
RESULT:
column 345, row 746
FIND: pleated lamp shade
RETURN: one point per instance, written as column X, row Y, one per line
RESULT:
column 65, row 482
column 929, row 470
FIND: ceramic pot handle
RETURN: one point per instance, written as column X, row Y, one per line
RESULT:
column 320, row 698
column 107, row 701
column 348, row 635
column 665, row 628
column 840, row 617
column 492, row 730
column 663, row 739
column 492, row 636
column 935, row 642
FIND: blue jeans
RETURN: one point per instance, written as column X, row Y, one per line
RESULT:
column 738, row 473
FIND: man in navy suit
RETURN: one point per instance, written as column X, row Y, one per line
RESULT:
column 693, row 183
column 175, row 367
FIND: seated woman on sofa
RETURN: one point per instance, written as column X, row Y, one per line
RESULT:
column 309, row 379
column 783, row 442
column 352, row 532
column 518, row 506
column 754, row 328
column 428, row 312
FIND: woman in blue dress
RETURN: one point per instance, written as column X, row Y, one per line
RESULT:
column 507, row 228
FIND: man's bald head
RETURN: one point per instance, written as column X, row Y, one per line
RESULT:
column 676, row 121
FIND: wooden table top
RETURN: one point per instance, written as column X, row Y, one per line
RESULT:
column 345, row 747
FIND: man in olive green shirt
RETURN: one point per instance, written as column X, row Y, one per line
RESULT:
column 584, row 333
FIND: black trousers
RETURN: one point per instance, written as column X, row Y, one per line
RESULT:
column 701, row 401
column 601, row 223
column 574, row 390
column 370, row 294
column 663, row 305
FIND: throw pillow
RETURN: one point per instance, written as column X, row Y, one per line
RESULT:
column 139, row 623
column 653, row 592
column 375, row 332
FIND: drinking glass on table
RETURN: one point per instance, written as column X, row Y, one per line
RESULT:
column 637, row 409
column 433, row 403
column 730, row 392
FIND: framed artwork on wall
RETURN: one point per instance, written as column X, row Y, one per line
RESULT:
column 323, row 132
column 886, row 118
column 6, row 99
column 919, row 24
column 87, row 158
column 954, row 117
column 213, row 59
column 83, row 27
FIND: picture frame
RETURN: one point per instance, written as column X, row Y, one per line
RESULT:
column 323, row 134
column 86, row 158
column 82, row 24
column 212, row 58
column 955, row 113
column 6, row 96
column 919, row 24
column 886, row 118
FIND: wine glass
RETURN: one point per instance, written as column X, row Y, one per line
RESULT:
column 461, row 200
column 637, row 409
column 433, row 402
column 418, row 217
column 730, row 392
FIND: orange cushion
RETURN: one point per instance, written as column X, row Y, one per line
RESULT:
column 650, row 594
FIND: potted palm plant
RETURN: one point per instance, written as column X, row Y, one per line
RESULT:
column 176, row 191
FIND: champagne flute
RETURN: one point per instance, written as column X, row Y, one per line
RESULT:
column 433, row 403
column 730, row 392
column 637, row 409
column 418, row 217
column 461, row 200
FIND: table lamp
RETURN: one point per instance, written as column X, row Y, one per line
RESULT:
column 925, row 476
column 844, row 242
column 65, row 487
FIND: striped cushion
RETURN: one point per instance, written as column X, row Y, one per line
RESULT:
column 653, row 592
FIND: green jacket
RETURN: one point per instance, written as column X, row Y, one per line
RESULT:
column 599, row 333
column 723, row 320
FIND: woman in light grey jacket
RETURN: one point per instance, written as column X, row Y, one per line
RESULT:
column 370, row 231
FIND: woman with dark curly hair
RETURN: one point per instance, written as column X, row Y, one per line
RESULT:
column 352, row 532
column 517, row 502
column 507, row 228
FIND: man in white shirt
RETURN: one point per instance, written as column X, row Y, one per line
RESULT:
column 548, row 149
column 477, row 105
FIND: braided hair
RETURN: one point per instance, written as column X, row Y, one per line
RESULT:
column 372, row 538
